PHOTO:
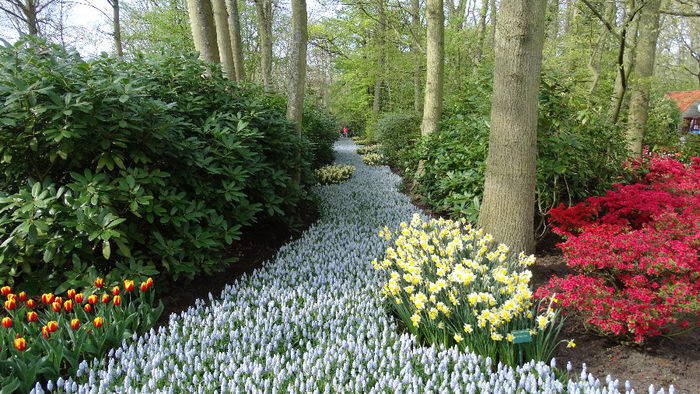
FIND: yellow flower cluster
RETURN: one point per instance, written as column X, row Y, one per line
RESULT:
column 445, row 275
column 363, row 150
column 337, row 173
column 373, row 159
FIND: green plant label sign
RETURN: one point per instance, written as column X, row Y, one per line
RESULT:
column 521, row 336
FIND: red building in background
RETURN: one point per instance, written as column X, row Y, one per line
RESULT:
column 689, row 105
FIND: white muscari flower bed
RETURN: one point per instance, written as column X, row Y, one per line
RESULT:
column 312, row 321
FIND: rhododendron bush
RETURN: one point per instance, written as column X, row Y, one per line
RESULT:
column 635, row 251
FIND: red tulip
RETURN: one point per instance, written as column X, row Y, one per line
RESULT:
column 10, row 305
column 79, row 298
column 45, row 332
column 12, row 297
column 74, row 324
column 117, row 300
column 52, row 326
column 31, row 303
column 6, row 322
column 20, row 344
column 115, row 290
column 99, row 282
column 58, row 299
column 32, row 316
column 128, row 285
column 92, row 299
column 144, row 286
column 149, row 281
column 68, row 305
column 56, row 306
column 71, row 293
column 98, row 322
column 47, row 298
column 5, row 290
column 105, row 298
column 88, row 308
column 22, row 296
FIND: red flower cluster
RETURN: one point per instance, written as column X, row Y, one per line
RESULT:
column 636, row 251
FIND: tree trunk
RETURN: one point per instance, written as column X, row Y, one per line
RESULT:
column 432, row 109
column 297, row 70
column 507, row 211
column 264, row 8
column 482, row 34
column 552, row 30
column 381, row 45
column 415, row 50
column 117, row 28
column 594, row 63
column 30, row 13
column 234, row 26
column 643, row 71
column 624, row 65
column 569, row 14
column 203, row 32
column 223, row 39
column 494, row 17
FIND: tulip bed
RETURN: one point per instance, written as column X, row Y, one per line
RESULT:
column 312, row 320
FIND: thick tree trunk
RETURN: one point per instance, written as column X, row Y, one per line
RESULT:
column 234, row 26
column 297, row 69
column 30, row 14
column 432, row 109
column 415, row 50
column 223, row 39
column 507, row 211
column 264, row 8
column 203, row 32
column 643, row 71
column 117, row 28
column 381, row 58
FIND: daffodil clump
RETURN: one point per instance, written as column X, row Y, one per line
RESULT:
column 333, row 174
column 451, row 283
column 373, row 159
column 363, row 150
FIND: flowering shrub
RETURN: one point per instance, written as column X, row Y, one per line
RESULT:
column 450, row 284
column 373, row 159
column 337, row 173
column 636, row 252
column 311, row 319
column 40, row 340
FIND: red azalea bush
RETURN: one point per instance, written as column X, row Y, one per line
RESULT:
column 635, row 251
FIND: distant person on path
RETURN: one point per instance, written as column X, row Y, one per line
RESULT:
column 345, row 132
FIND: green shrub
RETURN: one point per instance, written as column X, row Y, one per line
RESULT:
column 132, row 167
column 321, row 129
column 398, row 134
column 373, row 159
column 365, row 149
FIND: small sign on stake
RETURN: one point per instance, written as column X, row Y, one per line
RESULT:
column 521, row 336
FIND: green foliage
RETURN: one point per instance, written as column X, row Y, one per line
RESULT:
column 133, row 167
column 398, row 133
column 321, row 129
column 662, row 123
column 155, row 26
column 365, row 149
column 579, row 153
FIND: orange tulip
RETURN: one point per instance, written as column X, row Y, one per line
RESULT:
column 74, row 324
column 22, row 296
column 99, row 282
column 32, row 316
column 10, row 305
column 58, row 299
column 144, row 286
column 115, row 290
column 20, row 344
column 52, row 326
column 56, row 306
column 79, row 298
column 149, row 281
column 105, row 298
column 92, row 299
column 117, row 300
column 98, row 322
column 71, row 293
column 128, row 285
column 88, row 308
column 47, row 298
column 68, row 305
column 5, row 290
column 45, row 332
column 31, row 303
column 6, row 322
